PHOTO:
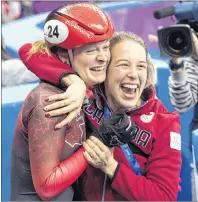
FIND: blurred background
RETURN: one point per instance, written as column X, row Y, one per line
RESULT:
column 22, row 22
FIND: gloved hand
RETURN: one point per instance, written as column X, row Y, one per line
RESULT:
column 117, row 130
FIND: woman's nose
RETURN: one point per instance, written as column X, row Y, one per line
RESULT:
column 102, row 56
column 133, row 73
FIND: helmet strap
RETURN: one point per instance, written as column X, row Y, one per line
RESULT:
column 71, row 57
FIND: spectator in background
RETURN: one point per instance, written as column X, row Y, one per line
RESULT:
column 11, row 10
column 13, row 70
column 4, row 54
column 27, row 8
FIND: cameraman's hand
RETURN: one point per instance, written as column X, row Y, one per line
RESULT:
column 195, row 40
column 153, row 38
column 117, row 130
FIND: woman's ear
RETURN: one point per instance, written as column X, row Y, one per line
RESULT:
column 63, row 56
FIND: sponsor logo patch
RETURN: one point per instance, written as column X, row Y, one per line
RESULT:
column 175, row 141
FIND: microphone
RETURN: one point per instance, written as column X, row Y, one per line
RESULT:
column 164, row 12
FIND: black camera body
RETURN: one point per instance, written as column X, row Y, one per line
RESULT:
column 176, row 40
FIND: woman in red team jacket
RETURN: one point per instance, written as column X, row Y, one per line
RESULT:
column 45, row 162
column 156, row 146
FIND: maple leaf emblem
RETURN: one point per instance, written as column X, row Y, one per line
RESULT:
column 44, row 139
column 115, row 141
column 75, row 135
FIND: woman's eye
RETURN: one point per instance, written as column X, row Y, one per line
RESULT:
column 106, row 47
column 141, row 66
column 90, row 50
column 124, row 64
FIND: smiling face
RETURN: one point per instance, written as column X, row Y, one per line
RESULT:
column 91, row 62
column 127, row 75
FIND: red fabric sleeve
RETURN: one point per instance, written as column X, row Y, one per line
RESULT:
column 162, row 173
column 48, row 68
column 50, row 174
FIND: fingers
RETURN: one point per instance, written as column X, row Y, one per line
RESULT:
column 68, row 119
column 152, row 38
column 177, row 60
column 101, row 156
column 92, row 157
column 88, row 158
column 62, row 111
column 96, row 149
column 195, row 40
column 160, row 27
column 61, row 96
column 95, row 156
column 90, row 151
column 96, row 141
column 58, row 105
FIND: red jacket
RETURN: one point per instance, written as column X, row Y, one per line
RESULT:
column 47, row 66
column 157, row 147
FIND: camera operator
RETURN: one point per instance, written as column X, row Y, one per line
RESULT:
column 183, row 82
column 176, row 42
column 183, row 91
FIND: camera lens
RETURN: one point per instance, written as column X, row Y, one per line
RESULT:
column 177, row 40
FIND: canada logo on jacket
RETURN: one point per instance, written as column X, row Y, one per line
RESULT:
column 147, row 118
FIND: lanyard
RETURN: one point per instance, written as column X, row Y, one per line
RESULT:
column 126, row 150
column 131, row 158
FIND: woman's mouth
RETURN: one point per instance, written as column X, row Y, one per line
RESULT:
column 97, row 69
column 129, row 90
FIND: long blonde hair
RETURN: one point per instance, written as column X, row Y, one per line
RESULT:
column 39, row 46
column 121, row 36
